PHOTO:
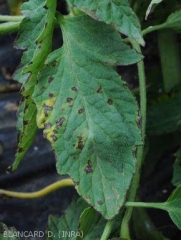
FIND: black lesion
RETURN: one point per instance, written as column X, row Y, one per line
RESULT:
column 100, row 90
column 54, row 138
column 110, row 101
column 74, row 89
column 69, row 99
column 80, row 143
column 50, row 79
column 88, row 168
column 48, row 125
column 47, row 108
column 81, row 110
column 25, row 122
column 51, row 95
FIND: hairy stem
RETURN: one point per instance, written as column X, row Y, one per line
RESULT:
column 9, row 27
column 8, row 18
column 41, row 193
column 125, row 233
column 107, row 230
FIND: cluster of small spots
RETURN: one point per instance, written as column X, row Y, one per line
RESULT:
column 110, row 101
column 81, row 110
column 80, row 143
column 88, row 168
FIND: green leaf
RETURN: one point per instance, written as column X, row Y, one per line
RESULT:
column 176, row 179
column 66, row 226
column 88, row 113
column 151, row 7
column 173, row 206
column 91, row 224
column 164, row 115
column 36, row 38
column 174, row 21
column 8, row 233
column 115, row 12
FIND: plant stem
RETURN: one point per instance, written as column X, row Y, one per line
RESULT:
column 7, row 18
column 125, row 233
column 170, row 58
column 144, row 205
column 9, row 27
column 41, row 193
column 154, row 28
column 107, row 230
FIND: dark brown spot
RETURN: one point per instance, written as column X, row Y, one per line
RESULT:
column 54, row 138
column 69, row 100
column 50, row 79
column 81, row 110
column 110, row 101
column 20, row 150
column 100, row 202
column 74, row 89
column 50, row 95
column 55, row 131
column 47, row 125
column 47, row 108
column 54, row 63
column 100, row 90
column 25, row 122
column 46, row 24
column 80, row 143
column 60, row 122
column 88, row 168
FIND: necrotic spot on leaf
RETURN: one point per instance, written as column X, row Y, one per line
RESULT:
column 48, row 125
column 74, row 89
column 100, row 202
column 100, row 90
column 54, row 138
column 20, row 150
column 50, row 79
column 88, row 168
column 60, row 122
column 47, row 108
column 55, row 131
column 25, row 122
column 81, row 110
column 69, row 100
column 50, row 95
column 80, row 143
column 54, row 63
column 110, row 101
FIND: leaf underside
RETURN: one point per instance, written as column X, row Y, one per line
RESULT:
column 36, row 38
column 115, row 12
column 88, row 114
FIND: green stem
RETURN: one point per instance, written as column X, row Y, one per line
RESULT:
column 7, row 18
column 107, row 230
column 154, row 28
column 125, row 233
column 145, row 205
column 9, row 27
column 170, row 59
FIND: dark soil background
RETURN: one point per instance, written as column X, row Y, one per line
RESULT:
column 38, row 167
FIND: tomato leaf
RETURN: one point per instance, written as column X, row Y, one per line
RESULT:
column 8, row 233
column 115, row 12
column 176, row 179
column 88, row 113
column 36, row 39
column 172, row 206
column 174, row 21
column 151, row 6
